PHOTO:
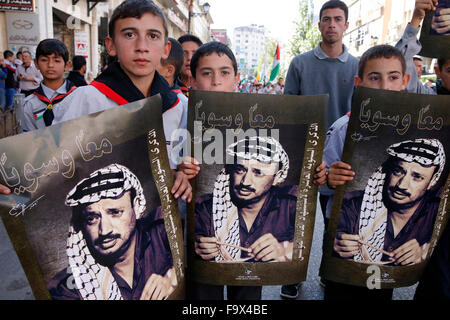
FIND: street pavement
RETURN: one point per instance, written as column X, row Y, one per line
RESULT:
column 14, row 284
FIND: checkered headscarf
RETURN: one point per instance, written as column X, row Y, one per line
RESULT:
column 373, row 215
column 225, row 213
column 94, row 281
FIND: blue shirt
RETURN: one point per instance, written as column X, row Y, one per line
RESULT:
column 314, row 73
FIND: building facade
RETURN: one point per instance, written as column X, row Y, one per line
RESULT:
column 248, row 44
column 83, row 24
column 76, row 23
column 378, row 22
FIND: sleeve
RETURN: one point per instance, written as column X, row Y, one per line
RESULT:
column 334, row 145
column 83, row 101
column 62, row 286
column 410, row 46
column 172, row 121
column 349, row 216
column 203, row 218
column 293, row 78
column 3, row 74
column 37, row 77
column 28, row 122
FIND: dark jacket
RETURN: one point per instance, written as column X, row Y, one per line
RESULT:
column 77, row 79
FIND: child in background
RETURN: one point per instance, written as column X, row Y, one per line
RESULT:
column 52, row 60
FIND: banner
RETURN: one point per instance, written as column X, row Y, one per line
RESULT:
column 386, row 221
column 255, row 201
column 435, row 33
column 17, row 5
column 90, row 214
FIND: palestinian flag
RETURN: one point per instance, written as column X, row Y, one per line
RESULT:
column 39, row 114
column 276, row 65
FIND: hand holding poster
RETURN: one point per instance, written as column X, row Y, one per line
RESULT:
column 255, row 199
column 392, row 213
column 87, row 220
column 435, row 34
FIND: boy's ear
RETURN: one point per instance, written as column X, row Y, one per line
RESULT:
column 166, row 51
column 437, row 71
column 110, row 47
column 171, row 70
column 357, row 80
column 346, row 26
column 36, row 64
column 237, row 78
column 67, row 66
column 406, row 78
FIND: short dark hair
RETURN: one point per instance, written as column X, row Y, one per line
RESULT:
column 7, row 54
column 377, row 52
column 190, row 37
column 176, row 56
column 52, row 46
column 26, row 51
column 332, row 4
column 417, row 59
column 211, row 47
column 441, row 63
column 78, row 62
column 17, row 54
column 135, row 9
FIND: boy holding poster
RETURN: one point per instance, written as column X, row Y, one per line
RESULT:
column 371, row 74
column 139, row 39
column 214, row 68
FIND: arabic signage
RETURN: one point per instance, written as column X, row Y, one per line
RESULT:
column 22, row 30
column 16, row 5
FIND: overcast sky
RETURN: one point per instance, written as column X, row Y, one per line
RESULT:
column 277, row 16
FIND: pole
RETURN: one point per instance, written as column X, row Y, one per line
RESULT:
column 191, row 7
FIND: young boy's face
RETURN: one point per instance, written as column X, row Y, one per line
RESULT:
column 167, row 71
column 189, row 48
column 444, row 74
column 215, row 73
column 382, row 73
column 139, row 45
column 332, row 25
column 52, row 67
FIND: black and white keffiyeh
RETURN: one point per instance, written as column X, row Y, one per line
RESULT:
column 373, row 215
column 225, row 213
column 94, row 281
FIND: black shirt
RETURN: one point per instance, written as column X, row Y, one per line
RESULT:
column 77, row 79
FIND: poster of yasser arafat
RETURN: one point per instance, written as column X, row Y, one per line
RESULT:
column 387, row 220
column 90, row 213
column 435, row 33
column 252, row 219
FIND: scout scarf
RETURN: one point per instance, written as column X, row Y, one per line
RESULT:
column 116, row 85
column 47, row 113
